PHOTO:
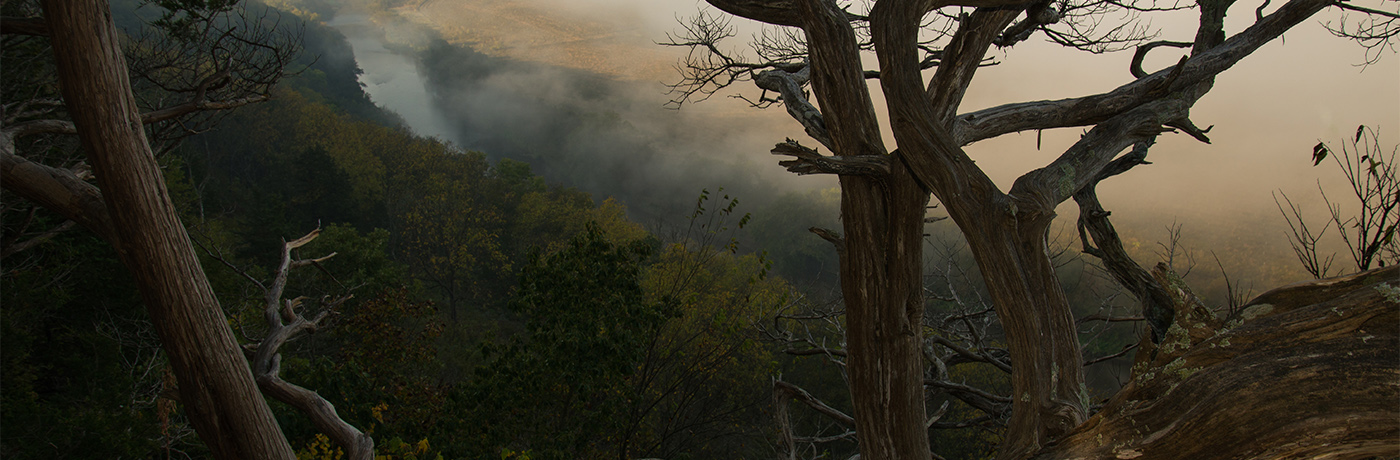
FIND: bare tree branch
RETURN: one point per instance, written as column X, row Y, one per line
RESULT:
column 284, row 323
column 12, row 247
column 1136, row 67
column 808, row 161
column 1126, row 348
column 789, row 85
column 963, row 56
column 23, row 26
column 792, row 391
column 1093, row 221
column 1083, row 111
column 59, row 190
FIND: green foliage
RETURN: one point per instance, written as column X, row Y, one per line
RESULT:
column 397, row 449
column 605, row 276
column 380, row 370
column 180, row 18
column 780, row 228
column 705, row 371
column 586, row 321
column 594, row 343
column 80, row 367
column 321, row 448
column 454, row 245
column 458, row 223
column 362, row 263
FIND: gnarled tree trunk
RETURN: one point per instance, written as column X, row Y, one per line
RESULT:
column 883, row 192
column 216, row 386
column 1006, row 232
column 1047, row 376
column 882, row 258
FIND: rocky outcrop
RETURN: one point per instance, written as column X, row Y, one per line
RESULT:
column 1303, row 371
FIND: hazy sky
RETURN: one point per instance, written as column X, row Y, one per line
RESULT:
column 1268, row 111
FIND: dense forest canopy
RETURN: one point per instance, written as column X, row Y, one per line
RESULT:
column 362, row 291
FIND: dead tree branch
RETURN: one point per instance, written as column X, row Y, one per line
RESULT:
column 792, row 391
column 808, row 161
column 1093, row 222
column 284, row 323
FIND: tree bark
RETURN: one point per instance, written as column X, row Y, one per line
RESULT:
column 882, row 281
column 216, row 386
column 58, row 190
column 1007, row 233
column 1049, row 396
column 882, row 261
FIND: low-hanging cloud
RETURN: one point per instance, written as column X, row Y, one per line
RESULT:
column 586, row 111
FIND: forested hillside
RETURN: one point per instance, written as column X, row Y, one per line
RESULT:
column 452, row 303
column 442, row 350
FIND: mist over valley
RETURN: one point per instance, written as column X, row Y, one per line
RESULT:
column 527, row 229
column 577, row 92
column 602, row 134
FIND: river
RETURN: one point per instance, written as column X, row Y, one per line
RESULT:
column 393, row 80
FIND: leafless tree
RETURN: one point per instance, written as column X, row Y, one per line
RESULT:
column 885, row 193
column 1369, row 233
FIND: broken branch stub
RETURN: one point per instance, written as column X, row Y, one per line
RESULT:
column 808, row 161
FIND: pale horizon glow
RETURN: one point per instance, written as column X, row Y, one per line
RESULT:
column 1267, row 112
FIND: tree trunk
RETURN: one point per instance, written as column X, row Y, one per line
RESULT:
column 1006, row 230
column 882, row 259
column 882, row 281
column 1047, row 376
column 216, row 386
column 1007, row 233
